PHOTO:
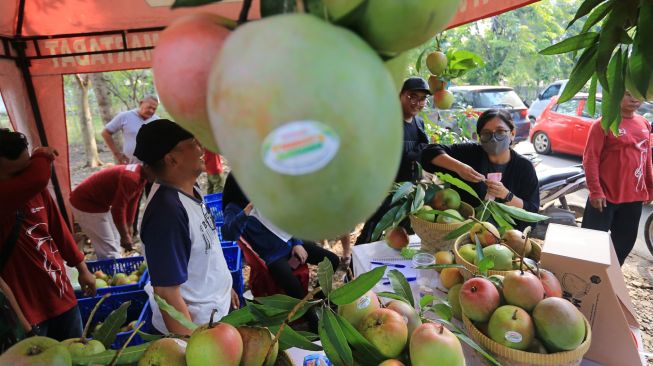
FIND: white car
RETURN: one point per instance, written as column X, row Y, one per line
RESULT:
column 538, row 105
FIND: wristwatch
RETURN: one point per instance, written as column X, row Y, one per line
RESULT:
column 509, row 197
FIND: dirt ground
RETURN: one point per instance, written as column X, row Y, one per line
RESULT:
column 638, row 271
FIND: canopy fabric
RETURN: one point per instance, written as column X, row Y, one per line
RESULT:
column 41, row 40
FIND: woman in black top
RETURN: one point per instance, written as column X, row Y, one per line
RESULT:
column 473, row 161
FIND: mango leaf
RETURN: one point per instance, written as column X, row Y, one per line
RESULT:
column 464, row 338
column 581, row 72
column 440, row 266
column 645, row 30
column 111, row 325
column 333, row 339
column 401, row 286
column 290, row 338
column 520, row 213
column 408, row 253
column 443, row 311
column 426, row 300
column 402, row 213
column 418, row 63
column 500, row 217
column 430, row 190
column 479, row 250
column 620, row 89
column 356, row 288
column 173, row 313
column 591, row 97
column 610, row 36
column 275, row 7
column 570, row 44
column 129, row 356
column 584, row 9
column 447, row 214
column 447, row 178
column 149, row 337
column 611, row 102
column 385, row 222
column 325, row 276
column 391, row 295
column 279, row 301
column 460, row 231
column 597, row 14
column 308, row 335
column 418, row 201
column 188, row 3
column 239, row 317
column 402, row 191
column 638, row 68
column 485, row 265
column 367, row 353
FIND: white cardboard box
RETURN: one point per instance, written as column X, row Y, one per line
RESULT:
column 586, row 264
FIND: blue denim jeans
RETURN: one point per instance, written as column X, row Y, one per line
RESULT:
column 64, row 326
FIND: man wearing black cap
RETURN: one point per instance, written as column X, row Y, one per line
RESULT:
column 184, row 256
column 413, row 97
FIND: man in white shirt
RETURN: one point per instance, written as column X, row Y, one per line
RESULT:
column 130, row 122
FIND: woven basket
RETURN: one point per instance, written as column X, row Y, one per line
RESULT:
column 512, row 357
column 432, row 233
column 470, row 269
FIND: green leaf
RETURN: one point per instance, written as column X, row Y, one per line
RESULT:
column 368, row 352
column 584, row 9
column 356, row 288
column 404, row 189
column 430, row 190
column 610, row 36
column 325, row 276
column 173, row 313
column 591, row 97
column 638, row 68
column 266, row 316
column 440, row 266
column 333, row 339
column 443, row 311
column 111, row 325
column 447, row 178
column 386, row 221
column 402, row 213
column 238, row 317
column 275, row 7
column 479, row 250
column 570, row 44
column 401, row 286
column 408, row 253
column 464, row 338
column 418, row 202
column 645, row 30
column 418, row 63
column 317, row 8
column 485, row 264
column 500, row 217
column 290, row 338
column 188, row 3
column 149, row 337
column 447, row 214
column 581, row 72
column 308, row 335
column 611, row 102
column 460, row 231
column 129, row 355
column 392, row 295
column 426, row 300
column 521, row 214
column 279, row 301
column 597, row 14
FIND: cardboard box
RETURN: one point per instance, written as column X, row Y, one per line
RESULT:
column 586, row 264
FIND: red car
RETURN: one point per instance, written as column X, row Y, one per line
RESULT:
column 564, row 127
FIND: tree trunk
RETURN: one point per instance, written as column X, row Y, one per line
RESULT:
column 103, row 97
column 86, row 121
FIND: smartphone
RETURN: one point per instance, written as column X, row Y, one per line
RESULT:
column 294, row 262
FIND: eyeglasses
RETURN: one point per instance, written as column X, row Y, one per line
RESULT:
column 498, row 135
column 414, row 99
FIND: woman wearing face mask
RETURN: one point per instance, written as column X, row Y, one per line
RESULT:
column 475, row 163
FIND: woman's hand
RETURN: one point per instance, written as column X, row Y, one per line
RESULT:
column 496, row 189
column 235, row 300
column 468, row 173
column 299, row 252
column 248, row 208
column 598, row 203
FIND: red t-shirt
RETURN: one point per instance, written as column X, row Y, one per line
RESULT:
column 212, row 162
column 35, row 271
column 117, row 188
column 618, row 168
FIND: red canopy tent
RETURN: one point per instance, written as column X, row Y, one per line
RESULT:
column 45, row 39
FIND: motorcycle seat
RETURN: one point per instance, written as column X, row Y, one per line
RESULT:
column 549, row 176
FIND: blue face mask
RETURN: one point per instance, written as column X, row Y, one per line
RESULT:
column 495, row 147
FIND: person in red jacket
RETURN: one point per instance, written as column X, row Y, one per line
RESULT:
column 105, row 205
column 214, row 177
column 619, row 177
column 35, row 269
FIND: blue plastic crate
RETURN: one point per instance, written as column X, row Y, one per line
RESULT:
column 218, row 228
column 233, row 258
column 238, row 285
column 139, row 300
column 111, row 266
column 228, row 244
column 214, row 204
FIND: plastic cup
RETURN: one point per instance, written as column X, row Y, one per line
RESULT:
column 425, row 277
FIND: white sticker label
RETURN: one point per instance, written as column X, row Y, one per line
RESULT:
column 513, row 337
column 300, row 147
column 364, row 302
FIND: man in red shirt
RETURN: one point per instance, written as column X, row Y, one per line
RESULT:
column 619, row 177
column 105, row 205
column 35, row 269
column 213, row 166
